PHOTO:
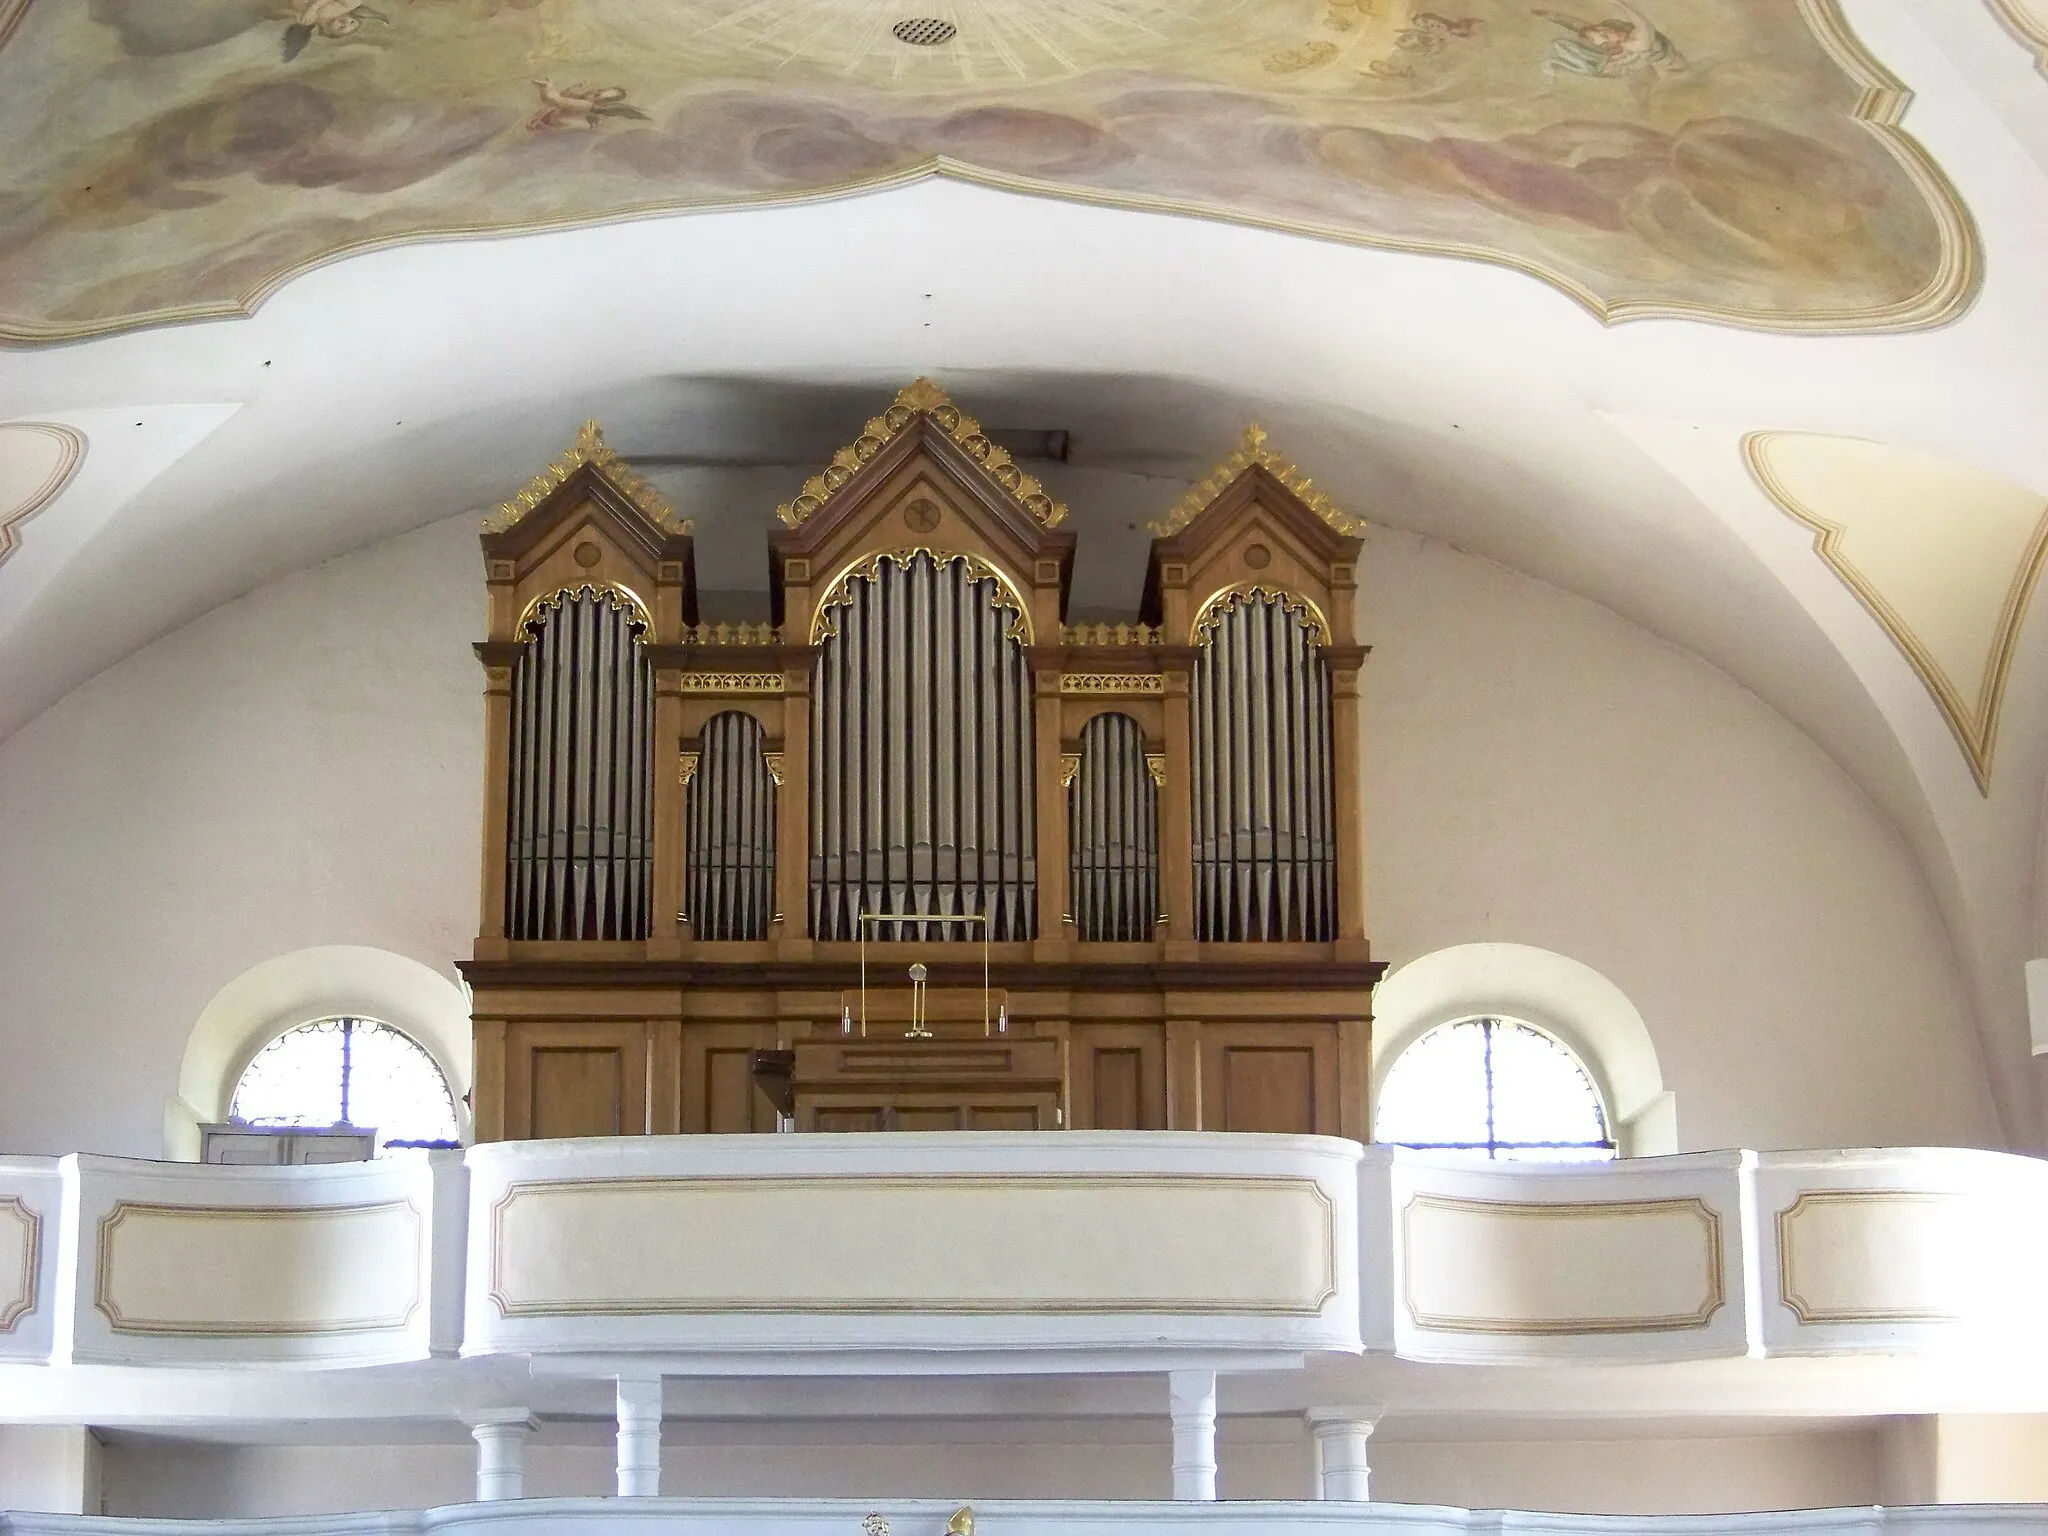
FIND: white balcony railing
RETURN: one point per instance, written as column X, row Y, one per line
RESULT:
column 1066, row 1251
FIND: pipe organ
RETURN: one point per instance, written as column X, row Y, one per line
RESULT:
column 918, row 852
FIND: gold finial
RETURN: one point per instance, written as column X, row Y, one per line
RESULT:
column 591, row 449
column 921, row 397
column 962, row 1523
column 1252, row 449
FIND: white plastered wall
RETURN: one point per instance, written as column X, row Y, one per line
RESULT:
column 302, row 767
column 1541, row 772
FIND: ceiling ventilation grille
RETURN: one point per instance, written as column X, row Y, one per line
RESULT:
column 923, row 31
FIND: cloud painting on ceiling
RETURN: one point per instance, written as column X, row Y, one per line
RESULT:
column 1944, row 555
column 1729, row 160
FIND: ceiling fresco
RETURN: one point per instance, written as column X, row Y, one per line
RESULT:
column 1729, row 160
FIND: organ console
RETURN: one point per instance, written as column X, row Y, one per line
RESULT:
column 1143, row 837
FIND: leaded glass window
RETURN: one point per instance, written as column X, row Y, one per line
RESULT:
column 1495, row 1088
column 354, row 1072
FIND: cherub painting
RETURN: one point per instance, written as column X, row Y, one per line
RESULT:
column 576, row 108
column 307, row 19
column 1428, row 33
column 1613, row 47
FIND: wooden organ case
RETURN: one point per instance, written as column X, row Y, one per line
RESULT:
column 1126, row 859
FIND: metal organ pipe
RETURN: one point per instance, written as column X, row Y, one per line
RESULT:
column 1113, row 831
column 731, row 891
column 581, row 800
column 1265, row 847
column 921, row 789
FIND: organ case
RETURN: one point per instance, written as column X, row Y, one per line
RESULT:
column 1148, row 832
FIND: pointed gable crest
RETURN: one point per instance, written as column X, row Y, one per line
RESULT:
column 590, row 449
column 1252, row 451
column 923, row 398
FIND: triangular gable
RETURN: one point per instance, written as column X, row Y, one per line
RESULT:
column 1254, row 483
column 630, row 536
column 1004, row 514
column 590, row 469
column 922, row 401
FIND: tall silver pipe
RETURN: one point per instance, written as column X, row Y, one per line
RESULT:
column 1113, row 834
column 922, row 786
column 580, row 797
column 731, row 809
column 1265, row 853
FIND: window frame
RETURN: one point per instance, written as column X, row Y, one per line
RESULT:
column 1493, row 1146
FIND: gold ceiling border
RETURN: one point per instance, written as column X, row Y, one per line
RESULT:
column 589, row 448
column 922, row 397
column 71, row 444
column 1975, row 730
column 1251, row 450
column 839, row 590
column 2031, row 34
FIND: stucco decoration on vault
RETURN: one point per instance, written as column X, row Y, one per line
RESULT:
column 37, row 460
column 1944, row 555
column 2027, row 20
column 1729, row 160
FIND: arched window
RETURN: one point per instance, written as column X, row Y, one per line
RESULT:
column 1498, row 1088
column 349, row 1072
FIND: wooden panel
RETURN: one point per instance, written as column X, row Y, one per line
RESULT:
column 844, row 1120
column 1277, row 1077
column 943, row 1110
column 582, row 1078
column 1117, row 1103
column 729, row 1089
column 1005, row 1117
column 576, row 1091
column 718, row 1091
column 1118, row 1077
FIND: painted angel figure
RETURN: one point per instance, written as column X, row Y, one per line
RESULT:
column 307, row 19
column 576, row 108
column 1612, row 47
column 1428, row 33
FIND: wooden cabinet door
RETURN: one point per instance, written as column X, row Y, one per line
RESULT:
column 581, row 1079
column 1276, row 1076
column 1117, row 1074
column 718, row 1090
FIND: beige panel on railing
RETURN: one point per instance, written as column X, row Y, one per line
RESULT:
column 1009, row 1243
column 1887, row 1250
column 20, row 1260
column 1526, row 1261
column 195, row 1271
column 1616, row 1266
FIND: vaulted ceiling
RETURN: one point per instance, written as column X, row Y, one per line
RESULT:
column 1723, row 313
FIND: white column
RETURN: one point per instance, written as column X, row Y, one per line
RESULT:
column 1342, row 1442
column 501, row 1454
column 639, row 1436
column 1191, row 1397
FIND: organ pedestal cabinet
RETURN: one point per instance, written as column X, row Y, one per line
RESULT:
column 1145, row 836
